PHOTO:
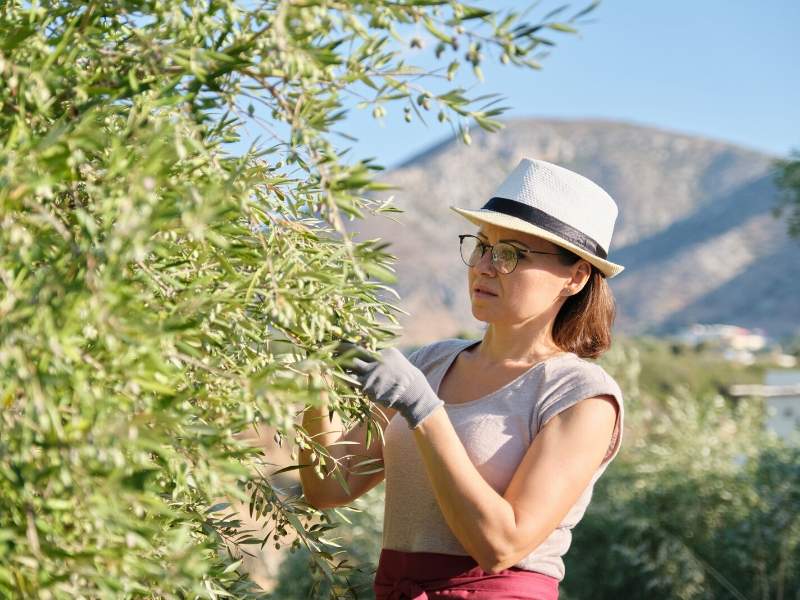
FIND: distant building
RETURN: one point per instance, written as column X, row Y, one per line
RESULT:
column 729, row 336
column 787, row 361
column 781, row 392
column 743, row 357
column 737, row 344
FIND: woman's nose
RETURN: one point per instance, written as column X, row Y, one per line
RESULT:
column 485, row 264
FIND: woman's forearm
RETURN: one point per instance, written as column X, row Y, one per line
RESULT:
column 324, row 431
column 480, row 518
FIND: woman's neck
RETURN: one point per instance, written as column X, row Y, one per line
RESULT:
column 516, row 345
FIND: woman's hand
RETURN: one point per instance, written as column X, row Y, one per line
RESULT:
column 392, row 381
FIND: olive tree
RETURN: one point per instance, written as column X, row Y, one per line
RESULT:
column 174, row 266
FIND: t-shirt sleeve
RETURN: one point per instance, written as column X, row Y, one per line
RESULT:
column 427, row 355
column 421, row 357
column 578, row 382
column 414, row 356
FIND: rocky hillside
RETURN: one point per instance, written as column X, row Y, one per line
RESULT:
column 695, row 229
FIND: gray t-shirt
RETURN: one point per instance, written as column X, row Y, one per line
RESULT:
column 496, row 431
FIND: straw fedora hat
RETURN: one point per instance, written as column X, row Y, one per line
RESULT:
column 555, row 204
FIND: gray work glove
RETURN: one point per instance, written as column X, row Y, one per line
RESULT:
column 391, row 381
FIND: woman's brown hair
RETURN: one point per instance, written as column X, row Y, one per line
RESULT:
column 583, row 325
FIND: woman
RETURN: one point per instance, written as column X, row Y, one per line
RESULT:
column 499, row 442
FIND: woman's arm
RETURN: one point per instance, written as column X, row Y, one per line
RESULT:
column 328, row 492
column 498, row 530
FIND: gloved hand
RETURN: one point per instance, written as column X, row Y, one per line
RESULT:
column 392, row 381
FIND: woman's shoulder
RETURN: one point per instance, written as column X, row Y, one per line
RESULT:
column 571, row 379
column 572, row 371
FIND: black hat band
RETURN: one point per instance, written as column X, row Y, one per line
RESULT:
column 538, row 217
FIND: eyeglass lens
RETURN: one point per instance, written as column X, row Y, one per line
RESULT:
column 504, row 256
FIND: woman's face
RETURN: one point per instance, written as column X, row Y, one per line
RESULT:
column 535, row 288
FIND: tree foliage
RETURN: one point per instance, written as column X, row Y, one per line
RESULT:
column 787, row 177
column 167, row 281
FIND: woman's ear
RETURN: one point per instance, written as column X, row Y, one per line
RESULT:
column 581, row 271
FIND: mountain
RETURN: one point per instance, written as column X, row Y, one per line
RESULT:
column 695, row 229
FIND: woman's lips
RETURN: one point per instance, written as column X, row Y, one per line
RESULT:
column 483, row 294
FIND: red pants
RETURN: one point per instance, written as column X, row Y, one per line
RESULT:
column 424, row 575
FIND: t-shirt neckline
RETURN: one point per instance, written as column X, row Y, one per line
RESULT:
column 471, row 343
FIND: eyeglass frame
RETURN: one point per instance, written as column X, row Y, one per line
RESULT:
column 485, row 246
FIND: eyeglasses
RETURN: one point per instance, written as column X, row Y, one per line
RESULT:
column 504, row 256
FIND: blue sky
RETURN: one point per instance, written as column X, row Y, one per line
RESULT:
column 720, row 69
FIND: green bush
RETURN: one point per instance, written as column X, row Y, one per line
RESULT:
column 701, row 503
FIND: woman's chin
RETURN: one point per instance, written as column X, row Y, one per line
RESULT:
column 481, row 313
